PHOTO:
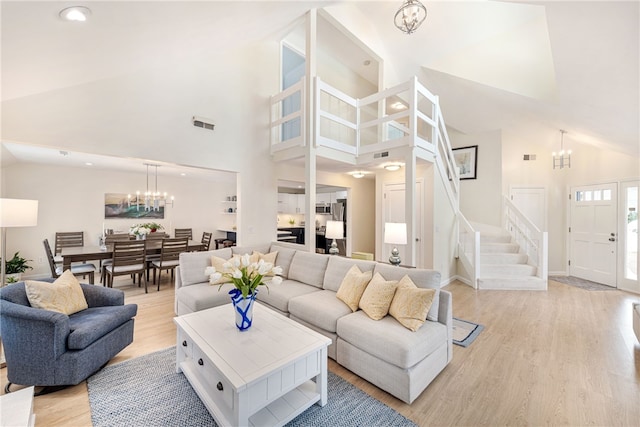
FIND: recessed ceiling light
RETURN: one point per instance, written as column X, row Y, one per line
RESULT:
column 89, row 164
column 398, row 106
column 393, row 167
column 183, row 174
column 75, row 13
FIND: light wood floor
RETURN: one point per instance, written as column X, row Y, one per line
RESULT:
column 561, row 357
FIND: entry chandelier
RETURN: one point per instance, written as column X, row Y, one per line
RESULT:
column 562, row 159
column 411, row 14
column 151, row 200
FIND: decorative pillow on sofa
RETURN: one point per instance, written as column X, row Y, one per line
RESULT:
column 270, row 258
column 218, row 263
column 64, row 295
column 411, row 304
column 353, row 286
column 377, row 297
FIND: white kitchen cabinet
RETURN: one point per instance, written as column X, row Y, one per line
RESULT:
column 324, row 198
column 340, row 195
column 300, row 203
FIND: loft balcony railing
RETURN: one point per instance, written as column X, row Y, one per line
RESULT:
column 406, row 115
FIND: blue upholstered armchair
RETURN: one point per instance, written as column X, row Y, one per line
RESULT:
column 46, row 348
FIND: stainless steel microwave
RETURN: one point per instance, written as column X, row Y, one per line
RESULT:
column 322, row 208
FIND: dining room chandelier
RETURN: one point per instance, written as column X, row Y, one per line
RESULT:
column 411, row 14
column 151, row 200
column 563, row 158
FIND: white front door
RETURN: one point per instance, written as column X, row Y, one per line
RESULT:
column 532, row 203
column 394, row 211
column 593, row 233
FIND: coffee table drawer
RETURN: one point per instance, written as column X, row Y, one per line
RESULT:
column 184, row 344
column 218, row 388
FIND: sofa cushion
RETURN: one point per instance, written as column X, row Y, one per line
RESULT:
column 309, row 268
column 64, row 295
column 411, row 304
column 284, row 258
column 352, row 287
column 428, row 279
column 388, row 340
column 321, row 309
column 377, row 297
column 90, row 325
column 269, row 257
column 201, row 296
column 337, row 268
column 193, row 264
column 279, row 295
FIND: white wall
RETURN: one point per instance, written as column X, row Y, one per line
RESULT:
column 481, row 198
column 72, row 199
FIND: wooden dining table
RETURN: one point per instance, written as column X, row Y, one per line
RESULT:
column 91, row 253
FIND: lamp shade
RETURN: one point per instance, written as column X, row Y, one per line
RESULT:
column 334, row 230
column 18, row 213
column 395, row 233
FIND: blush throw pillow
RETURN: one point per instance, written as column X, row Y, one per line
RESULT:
column 377, row 297
column 270, row 258
column 411, row 304
column 353, row 286
column 64, row 295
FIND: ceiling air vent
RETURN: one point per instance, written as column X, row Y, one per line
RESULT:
column 382, row 154
column 201, row 122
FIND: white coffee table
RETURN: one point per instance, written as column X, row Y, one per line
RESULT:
column 266, row 375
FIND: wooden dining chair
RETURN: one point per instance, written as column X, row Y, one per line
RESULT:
column 108, row 240
column 157, row 235
column 67, row 239
column 169, row 257
column 206, row 241
column 128, row 259
column 183, row 232
column 86, row 269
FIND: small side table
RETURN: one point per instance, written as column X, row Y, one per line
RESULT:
column 17, row 408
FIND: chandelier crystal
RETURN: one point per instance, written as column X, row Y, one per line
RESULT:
column 411, row 14
column 563, row 158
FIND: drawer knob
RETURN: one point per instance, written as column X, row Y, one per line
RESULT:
column 184, row 343
column 219, row 386
column 200, row 362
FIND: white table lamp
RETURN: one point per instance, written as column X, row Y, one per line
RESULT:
column 15, row 213
column 395, row 233
column 334, row 230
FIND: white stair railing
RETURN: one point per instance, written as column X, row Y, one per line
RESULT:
column 469, row 249
column 533, row 242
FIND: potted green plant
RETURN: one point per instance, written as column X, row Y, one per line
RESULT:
column 15, row 267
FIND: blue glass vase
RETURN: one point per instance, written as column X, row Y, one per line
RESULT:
column 243, row 308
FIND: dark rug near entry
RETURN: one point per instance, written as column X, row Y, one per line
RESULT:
column 465, row 332
column 147, row 391
column 581, row 283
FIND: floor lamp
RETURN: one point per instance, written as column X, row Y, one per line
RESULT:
column 334, row 230
column 395, row 233
column 14, row 213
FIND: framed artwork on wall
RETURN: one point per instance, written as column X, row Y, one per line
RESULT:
column 467, row 160
column 130, row 206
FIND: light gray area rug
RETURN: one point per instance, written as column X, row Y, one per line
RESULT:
column 581, row 283
column 465, row 332
column 147, row 391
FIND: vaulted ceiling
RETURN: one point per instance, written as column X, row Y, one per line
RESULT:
column 494, row 64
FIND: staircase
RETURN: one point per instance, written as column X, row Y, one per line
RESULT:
column 503, row 265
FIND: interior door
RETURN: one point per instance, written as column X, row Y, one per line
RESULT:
column 593, row 233
column 532, row 203
column 394, row 211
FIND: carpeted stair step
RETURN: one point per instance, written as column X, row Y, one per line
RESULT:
column 495, row 238
column 486, row 248
column 511, row 283
column 503, row 258
column 507, row 270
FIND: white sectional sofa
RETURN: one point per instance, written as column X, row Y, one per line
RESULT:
column 383, row 352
